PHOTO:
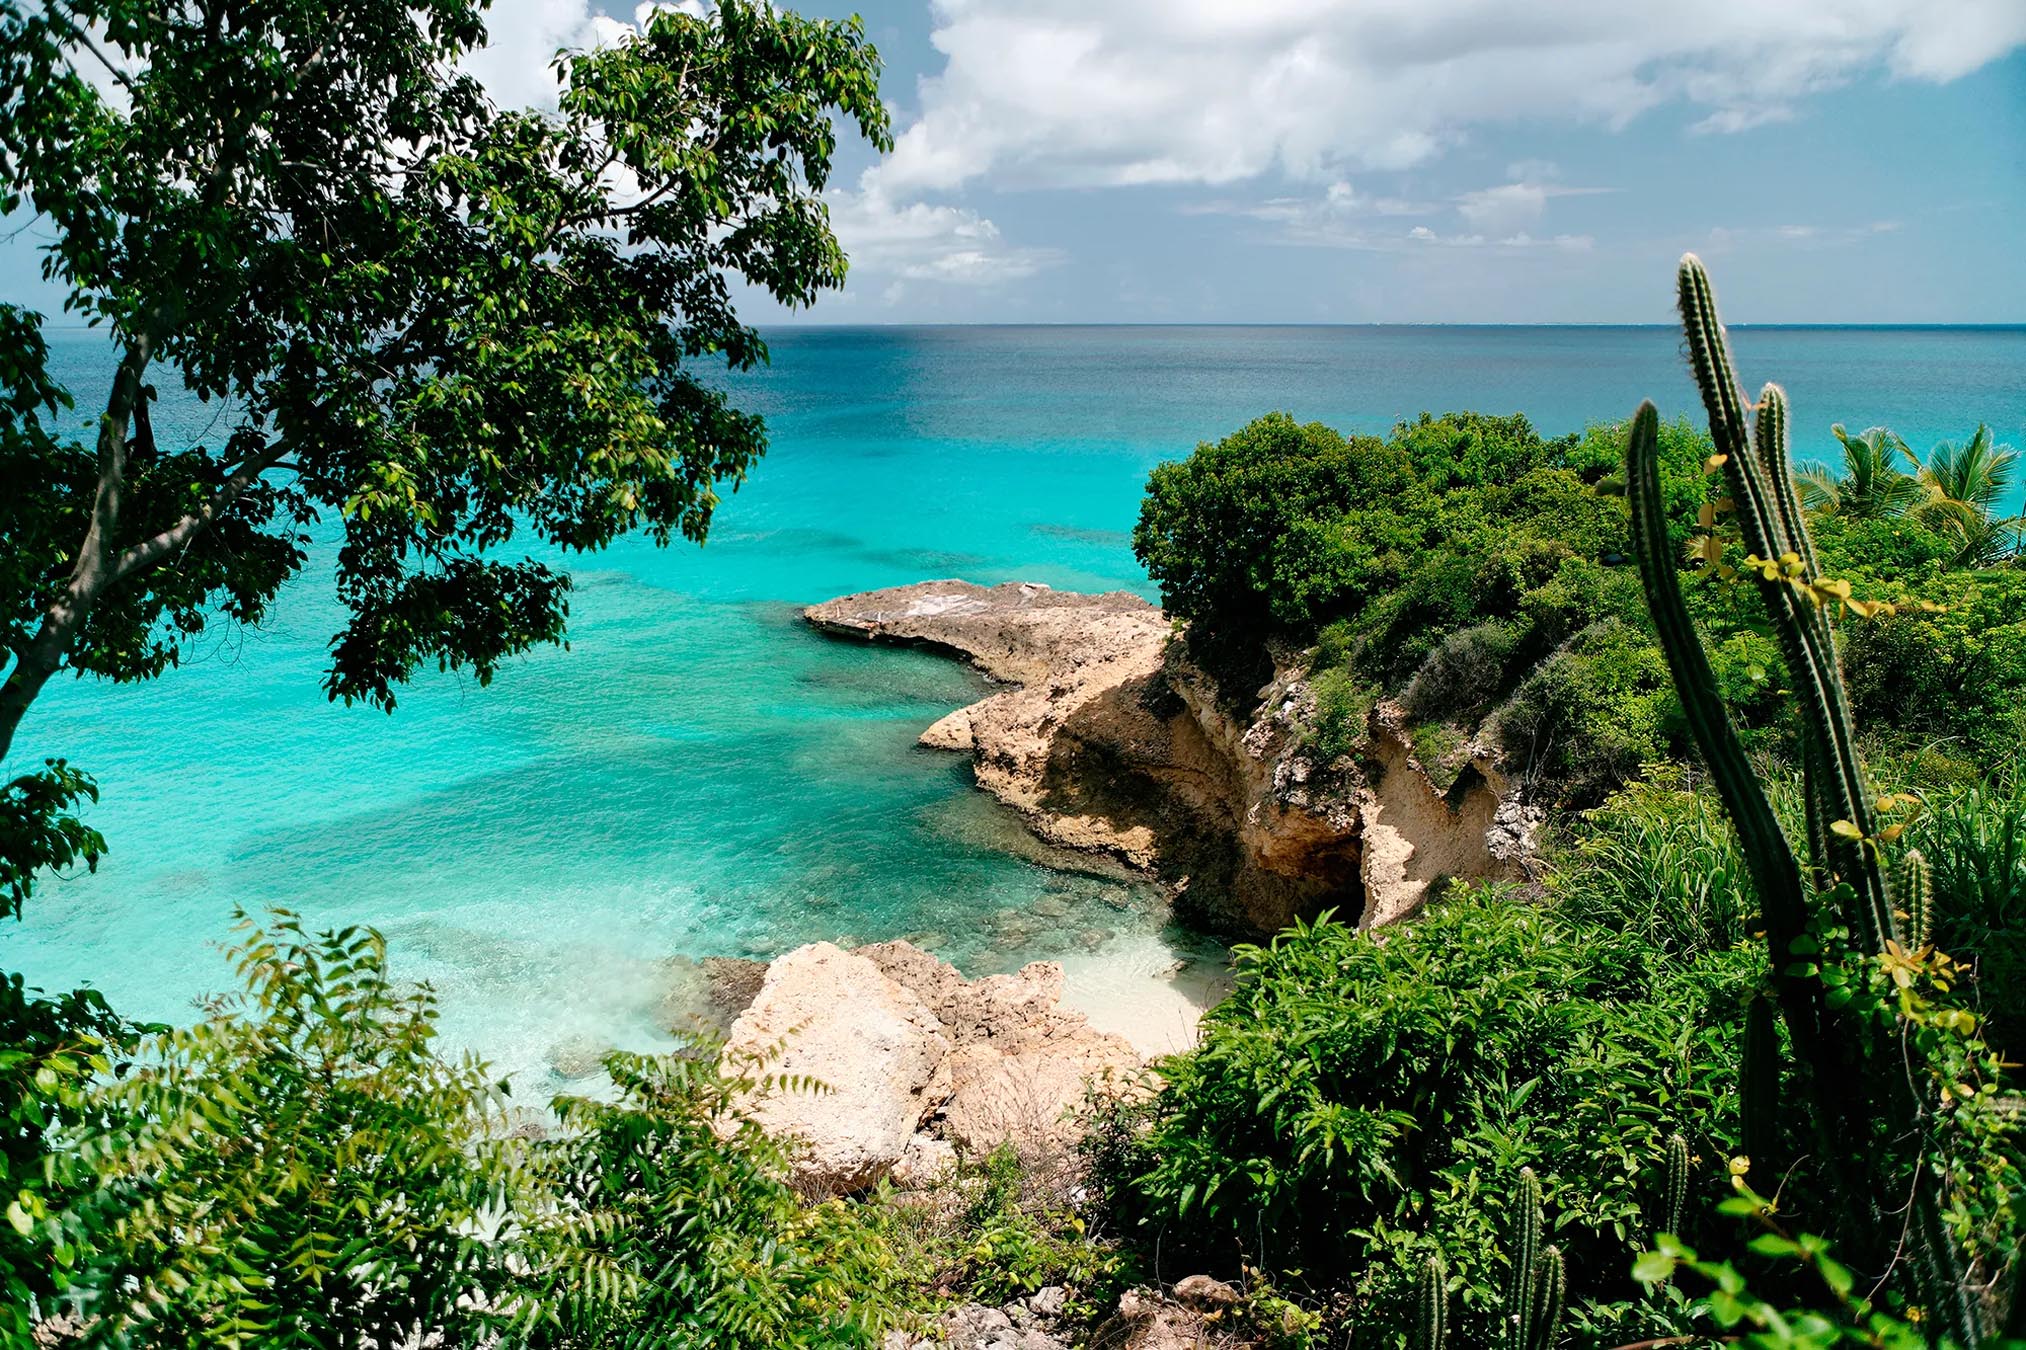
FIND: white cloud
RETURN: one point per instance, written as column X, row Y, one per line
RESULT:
column 1104, row 92
column 921, row 241
column 523, row 38
column 1723, row 239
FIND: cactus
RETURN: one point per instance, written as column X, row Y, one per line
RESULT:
column 1551, row 1296
column 1677, row 1183
column 1431, row 1308
column 1914, row 884
column 1525, row 1253
column 1759, row 1088
column 1537, row 1288
column 1850, row 1090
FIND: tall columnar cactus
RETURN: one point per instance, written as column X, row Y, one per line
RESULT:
column 1431, row 1308
column 1759, row 1089
column 1915, row 886
column 1859, row 1098
column 1538, row 1285
column 1677, row 1183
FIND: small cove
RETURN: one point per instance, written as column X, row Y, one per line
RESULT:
column 701, row 774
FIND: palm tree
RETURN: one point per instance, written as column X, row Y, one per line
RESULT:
column 1965, row 484
column 1874, row 484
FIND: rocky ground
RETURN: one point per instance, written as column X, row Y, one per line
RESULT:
column 1110, row 739
column 1194, row 1315
column 917, row 1063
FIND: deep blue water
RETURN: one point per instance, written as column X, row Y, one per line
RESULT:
column 702, row 775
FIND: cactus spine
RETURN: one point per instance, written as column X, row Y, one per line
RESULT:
column 1850, row 1088
column 1431, row 1307
column 1677, row 1183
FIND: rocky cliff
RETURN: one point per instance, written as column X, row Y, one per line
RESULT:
column 1109, row 738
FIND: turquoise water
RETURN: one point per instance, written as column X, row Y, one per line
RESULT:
column 702, row 775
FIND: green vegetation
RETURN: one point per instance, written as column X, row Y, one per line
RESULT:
column 300, row 1168
column 1701, row 1009
column 1479, row 575
column 1359, row 1106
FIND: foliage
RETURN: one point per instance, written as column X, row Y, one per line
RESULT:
column 1744, row 1316
column 300, row 1168
column 1465, row 565
column 440, row 325
column 1364, row 1101
column 1228, row 532
column 50, row 1050
column 661, row 1217
column 1475, row 572
column 1016, row 1242
column 1660, row 861
column 1878, row 479
column 39, row 829
column 1975, row 844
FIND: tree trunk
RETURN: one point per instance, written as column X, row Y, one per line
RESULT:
column 43, row 655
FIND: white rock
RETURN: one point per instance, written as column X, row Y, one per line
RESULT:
column 872, row 1044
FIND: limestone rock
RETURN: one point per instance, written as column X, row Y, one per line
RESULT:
column 873, row 1045
column 925, row 1158
column 921, row 1064
column 1113, row 741
column 1146, row 1321
column 1020, row 1062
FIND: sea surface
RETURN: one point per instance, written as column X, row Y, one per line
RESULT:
column 701, row 774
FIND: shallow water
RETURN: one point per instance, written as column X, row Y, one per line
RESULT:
column 701, row 774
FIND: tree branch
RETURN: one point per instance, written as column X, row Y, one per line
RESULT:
column 152, row 550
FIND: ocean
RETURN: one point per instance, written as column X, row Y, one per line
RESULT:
column 701, row 774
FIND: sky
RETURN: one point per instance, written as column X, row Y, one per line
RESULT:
column 1405, row 161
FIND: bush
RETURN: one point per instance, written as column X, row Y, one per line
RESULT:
column 1976, row 843
column 1590, row 715
column 300, row 1168
column 1363, row 1100
column 1343, row 704
column 663, row 1218
column 1216, row 529
column 1660, row 863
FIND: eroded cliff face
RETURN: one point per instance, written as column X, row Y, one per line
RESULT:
column 1110, row 739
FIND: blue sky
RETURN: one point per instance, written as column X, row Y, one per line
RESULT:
column 1347, row 161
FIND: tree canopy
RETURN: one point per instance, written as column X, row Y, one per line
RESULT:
column 441, row 324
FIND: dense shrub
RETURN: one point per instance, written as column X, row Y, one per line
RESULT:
column 1659, row 863
column 1227, row 531
column 664, row 1218
column 300, row 1168
column 1478, row 572
column 1365, row 1099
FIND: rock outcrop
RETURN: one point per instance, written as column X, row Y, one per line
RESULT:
column 916, row 1064
column 873, row 1046
column 1111, row 739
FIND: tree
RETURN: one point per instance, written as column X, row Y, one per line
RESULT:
column 1875, row 483
column 442, row 324
column 1965, row 484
